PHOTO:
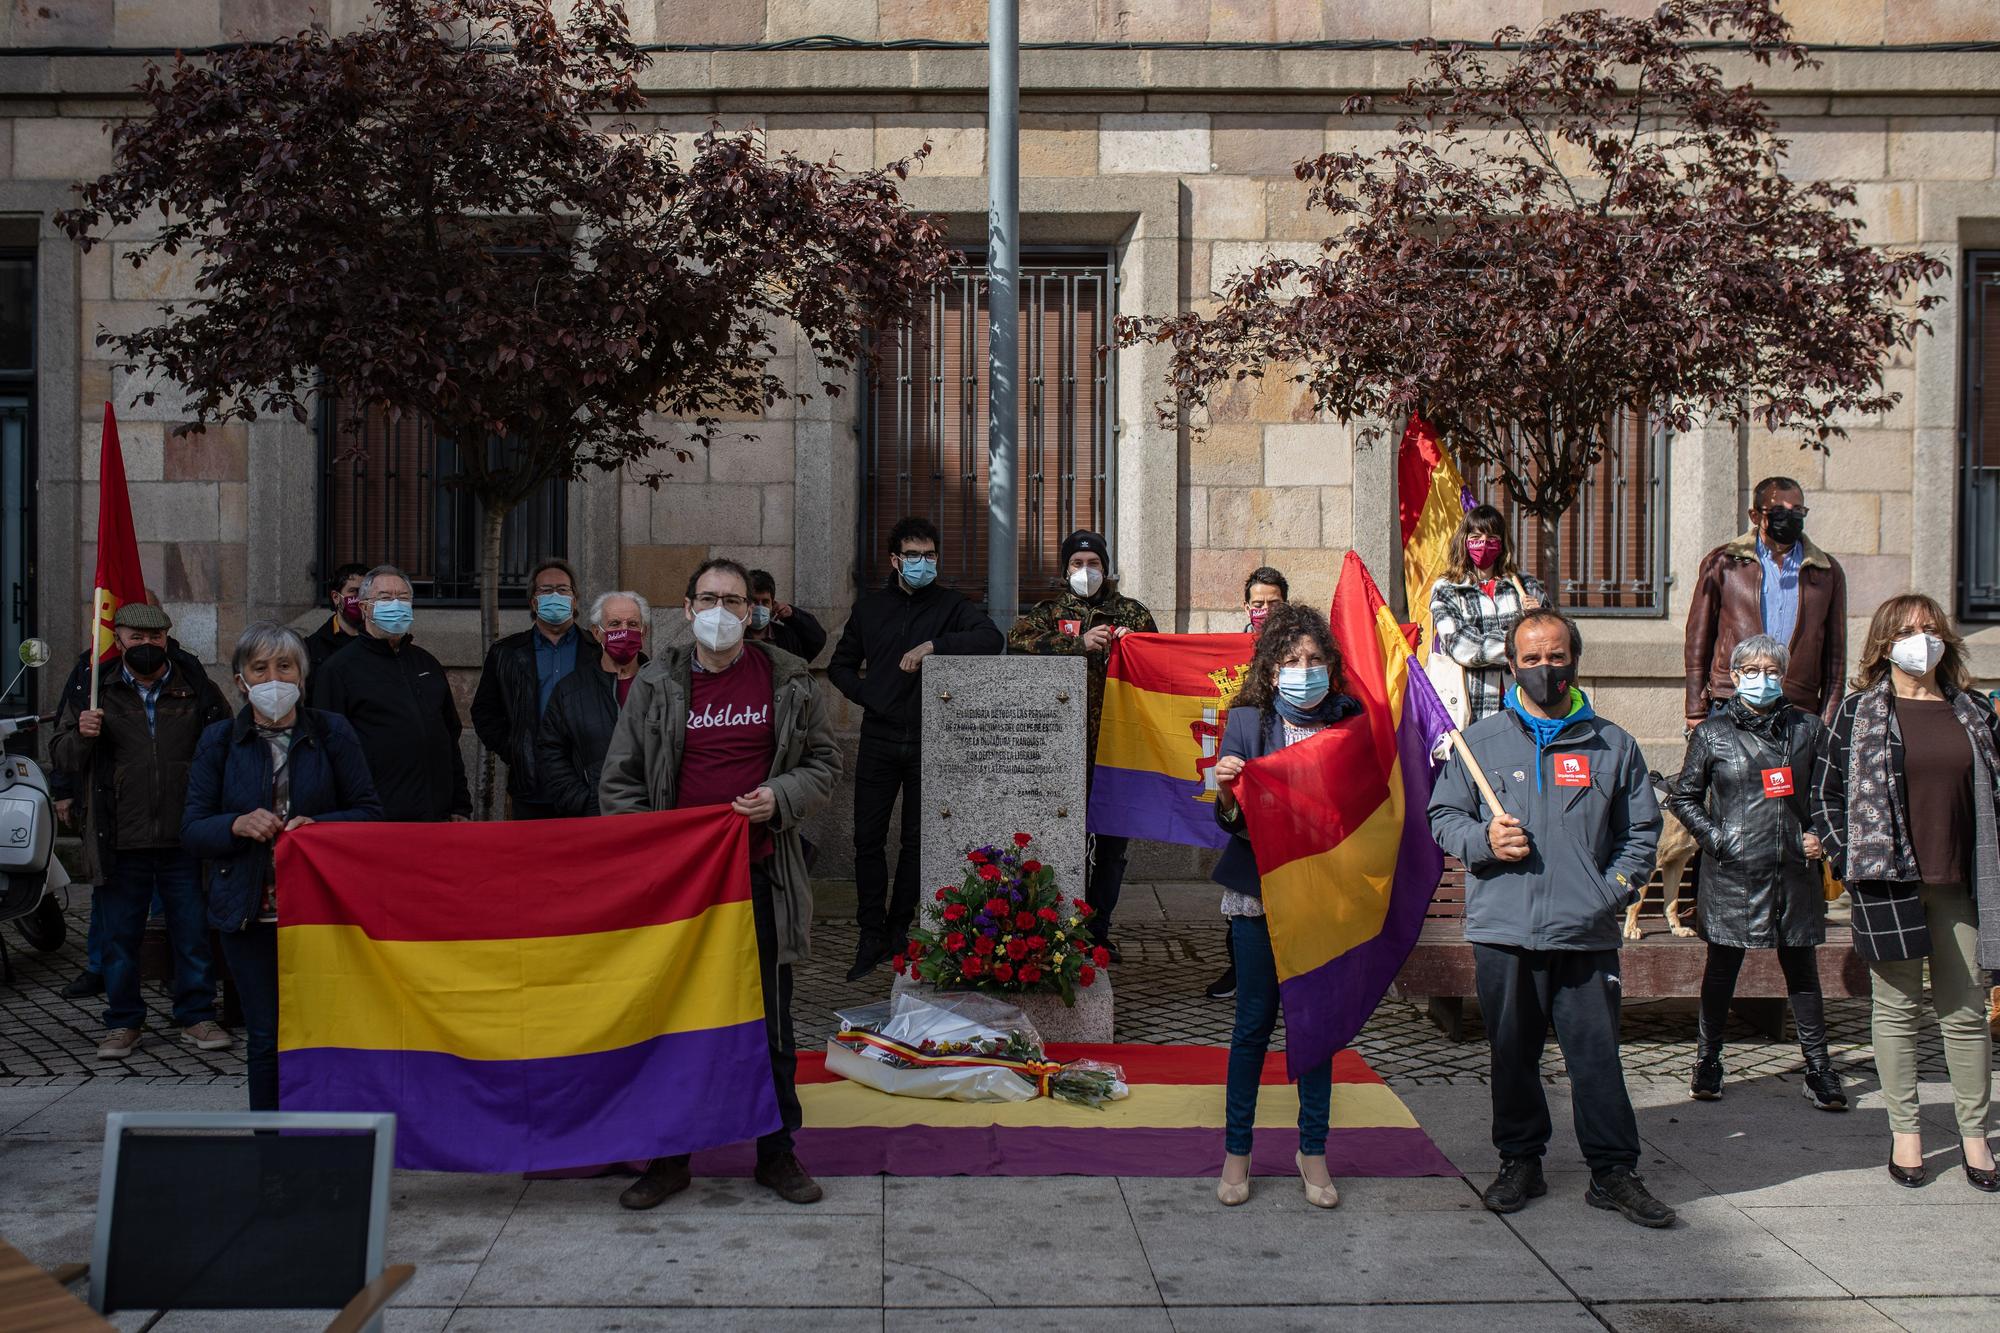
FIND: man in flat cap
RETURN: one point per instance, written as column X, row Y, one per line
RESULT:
column 1084, row 619
column 130, row 756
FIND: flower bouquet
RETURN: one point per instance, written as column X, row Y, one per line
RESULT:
column 1005, row 929
column 962, row 1047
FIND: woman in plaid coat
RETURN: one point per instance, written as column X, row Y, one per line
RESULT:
column 1905, row 806
column 1473, row 604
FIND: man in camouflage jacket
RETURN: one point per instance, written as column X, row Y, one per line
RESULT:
column 1084, row 620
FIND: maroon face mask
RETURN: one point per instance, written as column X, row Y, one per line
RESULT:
column 350, row 611
column 1483, row 550
column 622, row 645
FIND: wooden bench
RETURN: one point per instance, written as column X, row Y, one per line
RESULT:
column 1660, row 965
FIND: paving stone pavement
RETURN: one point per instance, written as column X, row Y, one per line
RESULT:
column 1787, row 1219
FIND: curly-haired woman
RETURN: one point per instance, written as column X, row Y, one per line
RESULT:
column 1291, row 693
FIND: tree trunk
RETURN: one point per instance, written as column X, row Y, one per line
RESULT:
column 495, row 522
column 1548, row 527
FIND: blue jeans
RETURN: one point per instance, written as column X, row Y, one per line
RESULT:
column 1256, row 1016
column 253, row 969
column 126, row 893
column 93, row 940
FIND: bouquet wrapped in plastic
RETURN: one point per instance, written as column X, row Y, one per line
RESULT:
column 962, row 1047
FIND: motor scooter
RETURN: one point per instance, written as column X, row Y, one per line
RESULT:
column 32, row 880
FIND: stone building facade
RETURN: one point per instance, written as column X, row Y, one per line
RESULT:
column 1163, row 158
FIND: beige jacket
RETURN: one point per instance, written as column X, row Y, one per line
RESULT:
column 642, row 768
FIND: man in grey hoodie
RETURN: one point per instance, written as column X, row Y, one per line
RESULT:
column 1546, row 878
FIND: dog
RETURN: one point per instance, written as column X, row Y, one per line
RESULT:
column 1677, row 852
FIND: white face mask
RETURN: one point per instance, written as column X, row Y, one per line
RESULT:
column 273, row 700
column 1917, row 654
column 717, row 629
column 1086, row 581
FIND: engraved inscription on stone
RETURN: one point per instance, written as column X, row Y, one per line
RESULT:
column 1003, row 741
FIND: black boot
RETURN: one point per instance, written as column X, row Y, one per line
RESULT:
column 1705, row 1083
column 868, row 955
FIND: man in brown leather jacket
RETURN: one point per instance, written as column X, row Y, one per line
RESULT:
column 1771, row 580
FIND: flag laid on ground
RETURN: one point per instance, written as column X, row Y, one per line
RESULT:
column 1171, row 1125
column 1166, row 700
column 119, row 578
column 1431, row 499
column 517, row 1010
column 1339, row 828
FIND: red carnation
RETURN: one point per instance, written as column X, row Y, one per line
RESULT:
column 1086, row 975
column 977, row 858
column 1030, row 867
column 989, row 873
column 898, row 963
column 1022, row 840
column 1003, row 971
column 1017, row 947
column 972, row 967
column 915, row 949
column 954, row 912
column 1101, row 956
column 1035, row 944
column 1030, row 974
column 997, row 908
column 1024, row 920
column 954, row 941
column 1049, row 914
column 983, row 945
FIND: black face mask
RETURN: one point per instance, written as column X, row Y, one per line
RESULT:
column 145, row 658
column 1784, row 524
column 1548, row 686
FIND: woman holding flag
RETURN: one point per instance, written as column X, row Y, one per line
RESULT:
column 1291, row 693
column 1473, row 604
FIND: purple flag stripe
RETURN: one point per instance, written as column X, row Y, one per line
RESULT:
column 1326, row 1007
column 680, row 1092
column 1136, row 803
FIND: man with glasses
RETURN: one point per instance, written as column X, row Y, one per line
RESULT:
column 738, row 724
column 521, row 673
column 1773, row 581
column 876, row 665
column 399, row 703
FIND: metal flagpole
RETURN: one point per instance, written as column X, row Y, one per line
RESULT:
column 1003, row 272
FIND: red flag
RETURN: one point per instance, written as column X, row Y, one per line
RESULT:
column 119, row 578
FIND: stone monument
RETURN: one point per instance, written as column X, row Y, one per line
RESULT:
column 1003, row 752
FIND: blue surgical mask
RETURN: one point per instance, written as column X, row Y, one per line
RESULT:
column 393, row 617
column 919, row 571
column 760, row 616
column 1303, row 687
column 553, row 608
column 1759, row 690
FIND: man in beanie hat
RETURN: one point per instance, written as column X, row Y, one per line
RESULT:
column 1084, row 620
column 130, row 755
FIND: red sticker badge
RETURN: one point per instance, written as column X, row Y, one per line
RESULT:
column 1777, row 782
column 1070, row 627
column 1572, row 770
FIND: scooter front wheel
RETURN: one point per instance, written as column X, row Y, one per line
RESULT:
column 45, row 928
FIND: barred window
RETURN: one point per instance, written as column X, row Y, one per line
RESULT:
column 1613, row 539
column 385, row 499
column 925, row 413
column 1979, row 515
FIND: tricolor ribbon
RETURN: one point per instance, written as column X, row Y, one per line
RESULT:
column 1038, row 1072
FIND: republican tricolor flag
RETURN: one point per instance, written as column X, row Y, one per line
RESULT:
column 519, row 1011
column 1339, row 826
column 1431, row 499
column 1166, row 701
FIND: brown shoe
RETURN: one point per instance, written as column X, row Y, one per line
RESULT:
column 118, row 1044
column 207, row 1036
column 664, row 1178
column 783, row 1176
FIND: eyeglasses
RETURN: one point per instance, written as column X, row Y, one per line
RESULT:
column 918, row 555
column 554, row 589
column 708, row 601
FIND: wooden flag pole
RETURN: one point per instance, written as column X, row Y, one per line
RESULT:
column 95, row 655
column 1478, row 775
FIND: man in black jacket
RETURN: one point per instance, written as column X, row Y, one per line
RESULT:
column 343, row 593
column 891, row 632
column 399, row 702
column 521, row 673
column 791, row 628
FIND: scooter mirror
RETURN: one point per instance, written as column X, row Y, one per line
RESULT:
column 35, row 652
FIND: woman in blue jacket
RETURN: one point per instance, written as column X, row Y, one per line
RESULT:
column 274, row 768
column 1291, row 693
